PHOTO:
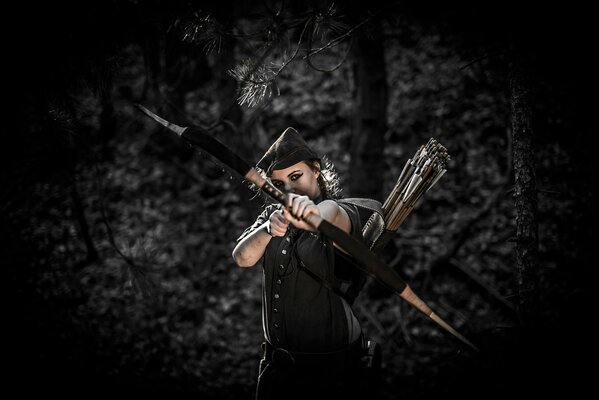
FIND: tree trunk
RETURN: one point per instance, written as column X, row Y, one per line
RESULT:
column 370, row 115
column 79, row 213
column 525, row 193
column 107, row 116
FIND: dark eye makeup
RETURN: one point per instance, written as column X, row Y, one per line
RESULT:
column 279, row 184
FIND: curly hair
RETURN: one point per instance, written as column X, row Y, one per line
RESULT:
column 328, row 180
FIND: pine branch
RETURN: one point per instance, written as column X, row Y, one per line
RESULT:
column 308, row 57
column 202, row 29
column 255, row 80
column 340, row 38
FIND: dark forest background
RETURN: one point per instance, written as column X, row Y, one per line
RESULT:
column 116, row 237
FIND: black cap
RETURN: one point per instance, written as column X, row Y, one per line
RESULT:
column 289, row 149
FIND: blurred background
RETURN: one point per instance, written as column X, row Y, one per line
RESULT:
column 117, row 237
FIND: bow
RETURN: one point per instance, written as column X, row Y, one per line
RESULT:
column 366, row 259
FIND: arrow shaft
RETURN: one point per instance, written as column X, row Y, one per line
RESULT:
column 366, row 260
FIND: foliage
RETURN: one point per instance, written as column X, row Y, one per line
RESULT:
column 176, row 214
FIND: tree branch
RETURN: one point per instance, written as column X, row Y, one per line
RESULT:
column 143, row 286
column 464, row 233
column 338, row 39
column 309, row 56
column 375, row 322
column 484, row 285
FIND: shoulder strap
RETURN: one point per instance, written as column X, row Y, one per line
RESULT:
column 372, row 218
column 365, row 205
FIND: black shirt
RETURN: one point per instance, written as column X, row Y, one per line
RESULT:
column 298, row 312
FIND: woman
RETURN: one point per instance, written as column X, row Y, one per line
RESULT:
column 313, row 342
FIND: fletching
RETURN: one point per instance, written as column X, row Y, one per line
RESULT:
column 366, row 260
column 420, row 173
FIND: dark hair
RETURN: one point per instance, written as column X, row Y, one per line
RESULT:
column 328, row 179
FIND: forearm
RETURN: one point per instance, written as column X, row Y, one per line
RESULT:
column 328, row 210
column 249, row 250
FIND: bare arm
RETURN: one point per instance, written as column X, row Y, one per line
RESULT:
column 328, row 210
column 251, row 248
column 337, row 216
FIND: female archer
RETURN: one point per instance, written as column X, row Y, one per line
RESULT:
column 313, row 342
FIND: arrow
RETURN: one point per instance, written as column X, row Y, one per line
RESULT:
column 366, row 259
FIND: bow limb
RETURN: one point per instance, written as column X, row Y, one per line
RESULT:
column 366, row 259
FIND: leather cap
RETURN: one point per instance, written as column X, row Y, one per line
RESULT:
column 289, row 149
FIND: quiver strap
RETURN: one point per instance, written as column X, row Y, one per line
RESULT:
column 373, row 222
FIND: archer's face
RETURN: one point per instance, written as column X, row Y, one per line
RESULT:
column 298, row 178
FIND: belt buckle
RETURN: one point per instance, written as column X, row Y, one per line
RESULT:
column 283, row 359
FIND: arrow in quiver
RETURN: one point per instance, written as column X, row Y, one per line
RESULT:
column 419, row 174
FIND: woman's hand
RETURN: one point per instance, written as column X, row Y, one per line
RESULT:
column 278, row 224
column 300, row 207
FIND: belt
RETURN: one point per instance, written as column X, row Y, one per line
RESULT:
column 293, row 360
